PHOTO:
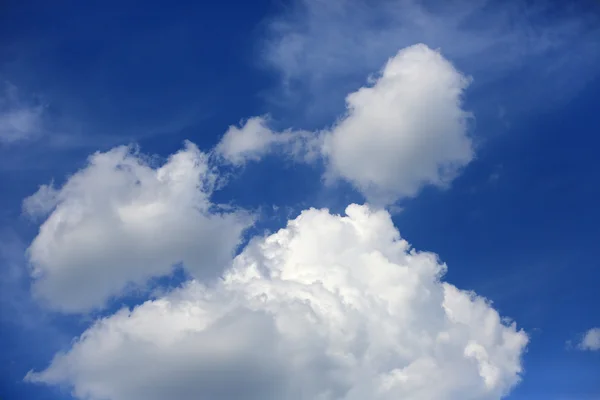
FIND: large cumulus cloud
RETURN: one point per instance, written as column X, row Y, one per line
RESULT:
column 123, row 219
column 330, row 307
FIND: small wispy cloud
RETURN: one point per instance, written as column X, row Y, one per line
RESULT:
column 590, row 340
column 20, row 119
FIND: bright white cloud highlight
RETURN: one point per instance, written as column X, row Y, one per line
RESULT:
column 405, row 131
column 120, row 221
column 328, row 308
column 19, row 120
column 590, row 340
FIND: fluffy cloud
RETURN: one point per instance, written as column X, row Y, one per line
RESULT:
column 18, row 120
column 405, row 131
column 249, row 142
column 120, row 221
column 590, row 340
column 328, row 308
column 254, row 139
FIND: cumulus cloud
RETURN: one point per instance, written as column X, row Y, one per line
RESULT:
column 19, row 120
column 120, row 221
column 254, row 139
column 330, row 307
column 405, row 130
column 590, row 340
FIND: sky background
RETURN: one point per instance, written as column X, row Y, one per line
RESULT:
column 519, row 225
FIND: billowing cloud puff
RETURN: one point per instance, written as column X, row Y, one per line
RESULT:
column 405, row 131
column 590, row 340
column 328, row 308
column 120, row 221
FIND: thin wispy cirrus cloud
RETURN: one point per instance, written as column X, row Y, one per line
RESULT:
column 26, row 119
column 328, row 307
column 20, row 120
column 313, row 45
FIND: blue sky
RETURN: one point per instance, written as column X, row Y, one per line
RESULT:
column 508, row 108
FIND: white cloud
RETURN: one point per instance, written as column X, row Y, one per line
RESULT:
column 590, row 340
column 249, row 142
column 405, row 131
column 328, row 308
column 254, row 139
column 19, row 120
column 119, row 221
column 42, row 202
